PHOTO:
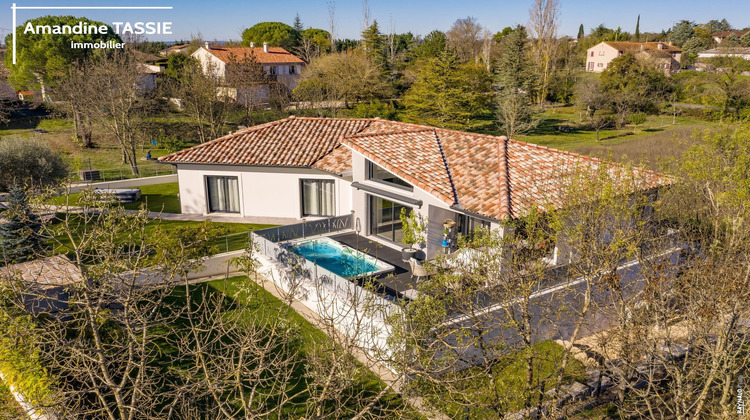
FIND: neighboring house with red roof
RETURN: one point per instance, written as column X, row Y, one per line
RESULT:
column 319, row 167
column 721, row 36
column 662, row 55
column 280, row 65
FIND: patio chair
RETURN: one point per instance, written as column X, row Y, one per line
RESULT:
column 418, row 270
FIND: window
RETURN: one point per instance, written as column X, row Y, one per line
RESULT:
column 223, row 194
column 601, row 52
column 272, row 70
column 317, row 197
column 466, row 225
column 592, row 53
column 379, row 174
column 385, row 218
column 600, row 64
column 292, row 70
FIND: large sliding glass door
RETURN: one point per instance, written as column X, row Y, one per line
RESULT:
column 223, row 194
column 385, row 218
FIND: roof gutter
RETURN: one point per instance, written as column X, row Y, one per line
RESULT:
column 387, row 194
column 249, row 166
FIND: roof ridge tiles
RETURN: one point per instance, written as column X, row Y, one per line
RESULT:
column 225, row 137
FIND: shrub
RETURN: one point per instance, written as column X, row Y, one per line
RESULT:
column 29, row 161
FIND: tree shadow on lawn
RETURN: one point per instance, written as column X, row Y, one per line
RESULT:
column 555, row 126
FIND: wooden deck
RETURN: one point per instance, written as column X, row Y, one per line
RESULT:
column 395, row 283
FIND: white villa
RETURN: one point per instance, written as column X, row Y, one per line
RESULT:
column 280, row 65
column 320, row 167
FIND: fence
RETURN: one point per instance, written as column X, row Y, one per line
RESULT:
column 305, row 229
column 231, row 242
column 121, row 172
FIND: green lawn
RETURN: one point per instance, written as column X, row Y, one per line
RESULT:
column 654, row 142
column 157, row 198
column 61, row 244
column 509, row 376
column 160, row 198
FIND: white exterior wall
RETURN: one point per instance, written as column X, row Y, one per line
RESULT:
column 208, row 60
column 264, row 191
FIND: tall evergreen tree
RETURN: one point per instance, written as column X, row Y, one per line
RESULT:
column 515, row 114
column 298, row 24
column 19, row 232
column 638, row 29
column 447, row 94
column 373, row 43
column 581, row 32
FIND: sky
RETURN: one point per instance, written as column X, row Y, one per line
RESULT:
column 225, row 19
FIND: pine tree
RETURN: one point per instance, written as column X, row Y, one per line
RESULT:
column 638, row 29
column 581, row 33
column 298, row 24
column 19, row 231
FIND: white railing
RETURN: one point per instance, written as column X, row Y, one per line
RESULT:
column 356, row 311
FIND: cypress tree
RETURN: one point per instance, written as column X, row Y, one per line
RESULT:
column 638, row 29
column 298, row 24
column 19, row 231
column 580, row 32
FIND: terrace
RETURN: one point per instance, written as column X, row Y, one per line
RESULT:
column 392, row 284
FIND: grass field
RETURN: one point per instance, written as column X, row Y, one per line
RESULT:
column 62, row 244
column 655, row 142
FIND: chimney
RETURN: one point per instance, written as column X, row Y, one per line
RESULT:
column 643, row 47
column 208, row 45
column 265, row 47
column 252, row 45
column 660, row 46
column 670, row 43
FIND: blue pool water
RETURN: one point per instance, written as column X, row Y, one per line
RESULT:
column 345, row 262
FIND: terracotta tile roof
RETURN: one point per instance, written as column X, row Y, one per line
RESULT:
column 293, row 142
column 486, row 175
column 273, row 56
column 490, row 176
column 647, row 46
column 725, row 34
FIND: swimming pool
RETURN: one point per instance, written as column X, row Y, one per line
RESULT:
column 340, row 259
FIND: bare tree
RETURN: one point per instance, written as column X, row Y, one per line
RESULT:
column 464, row 38
column 205, row 99
column 247, row 79
column 544, row 16
column 340, row 77
column 113, row 95
column 72, row 91
column 332, row 24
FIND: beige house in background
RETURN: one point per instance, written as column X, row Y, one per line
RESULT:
column 662, row 55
